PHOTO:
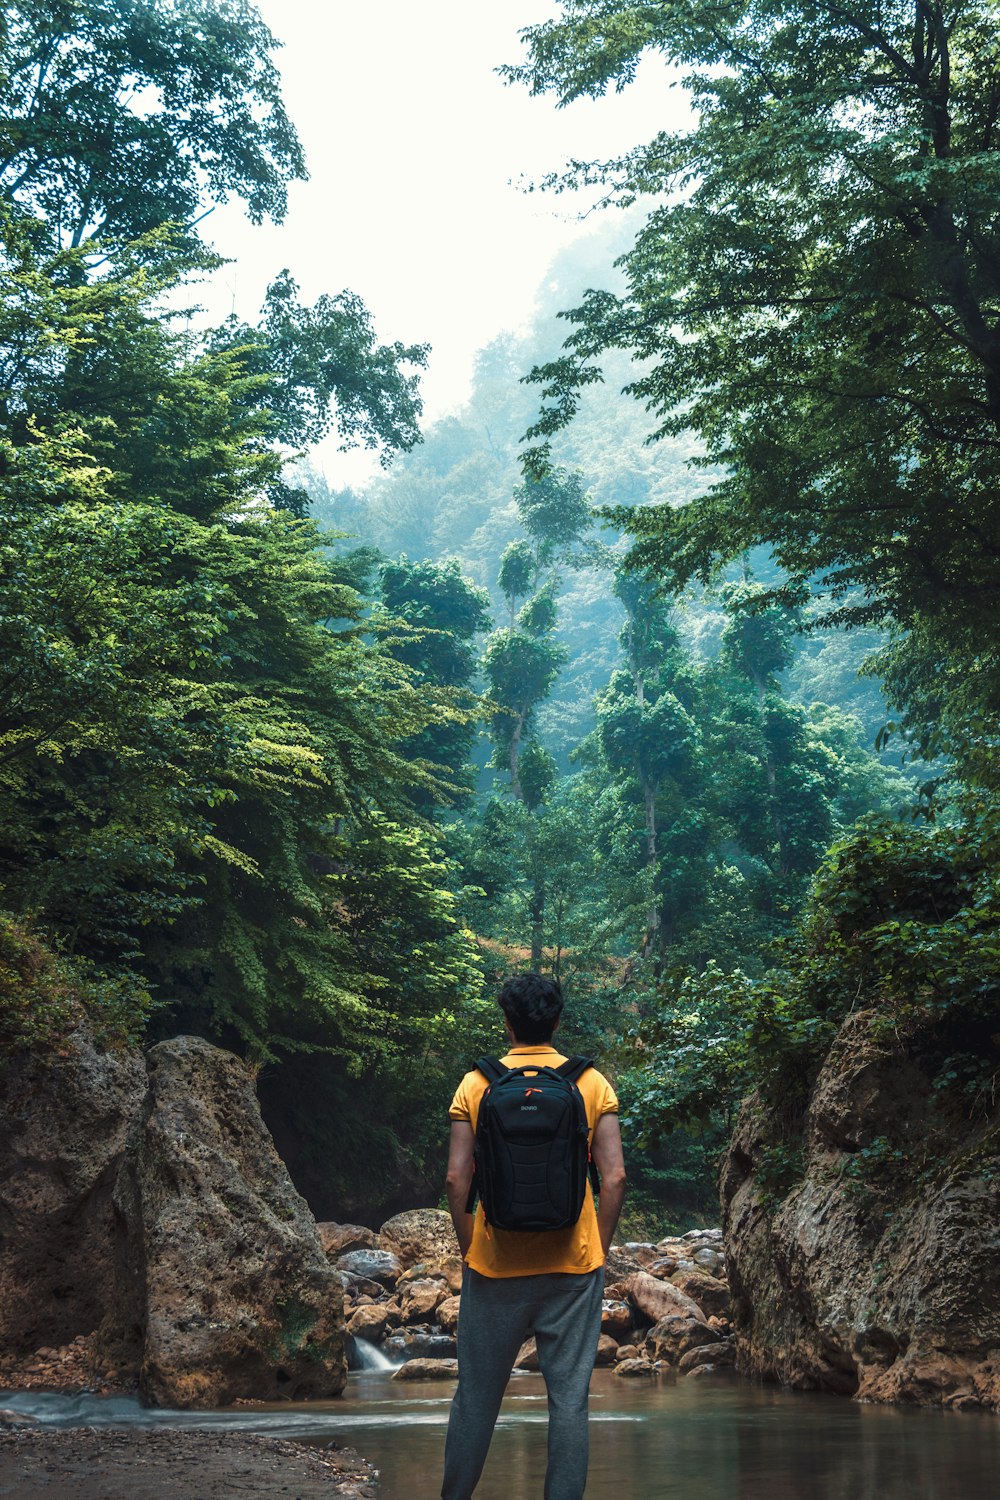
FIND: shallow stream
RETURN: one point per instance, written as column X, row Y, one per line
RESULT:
column 695, row 1440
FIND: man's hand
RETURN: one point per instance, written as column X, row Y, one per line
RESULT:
column 459, row 1180
column 606, row 1149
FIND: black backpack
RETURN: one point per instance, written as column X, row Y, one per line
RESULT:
column 532, row 1150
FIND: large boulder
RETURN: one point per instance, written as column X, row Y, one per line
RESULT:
column 886, row 1287
column 224, row 1283
column 420, row 1299
column 64, row 1119
column 380, row 1267
column 338, row 1239
column 422, row 1235
column 673, row 1336
column 711, row 1295
column 656, row 1299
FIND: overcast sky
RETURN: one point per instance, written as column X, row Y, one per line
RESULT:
column 415, row 148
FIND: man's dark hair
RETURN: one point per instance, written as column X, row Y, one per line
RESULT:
column 532, row 1005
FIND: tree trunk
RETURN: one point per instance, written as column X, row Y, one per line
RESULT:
column 536, row 911
column 515, row 750
column 774, row 817
column 651, row 942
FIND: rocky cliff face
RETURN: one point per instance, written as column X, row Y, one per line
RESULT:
column 64, row 1119
column 878, row 1274
column 151, row 1209
column 230, row 1291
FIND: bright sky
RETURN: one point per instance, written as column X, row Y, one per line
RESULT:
column 415, row 148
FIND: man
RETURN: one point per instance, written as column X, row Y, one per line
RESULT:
column 517, row 1283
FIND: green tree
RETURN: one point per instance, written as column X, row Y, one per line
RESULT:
column 312, row 359
column 441, row 614
column 119, row 115
column 820, row 303
column 188, row 750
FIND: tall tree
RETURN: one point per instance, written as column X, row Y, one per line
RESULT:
column 818, row 297
column 120, row 115
column 441, row 614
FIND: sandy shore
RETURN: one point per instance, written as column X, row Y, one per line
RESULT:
column 116, row 1464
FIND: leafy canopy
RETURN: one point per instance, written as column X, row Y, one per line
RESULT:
column 120, row 115
column 815, row 293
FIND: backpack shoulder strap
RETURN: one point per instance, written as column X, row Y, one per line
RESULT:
column 491, row 1068
column 574, row 1067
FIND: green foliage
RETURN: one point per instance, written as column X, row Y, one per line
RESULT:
column 901, row 921
column 117, row 117
column 436, row 615
column 516, row 573
column 308, row 357
column 192, row 758
column 554, row 511
column 45, row 996
column 814, row 294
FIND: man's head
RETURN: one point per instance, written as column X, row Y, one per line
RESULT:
column 532, row 1005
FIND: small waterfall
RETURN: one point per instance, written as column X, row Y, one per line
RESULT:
column 367, row 1357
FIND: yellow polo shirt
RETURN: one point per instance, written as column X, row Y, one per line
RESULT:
column 510, row 1252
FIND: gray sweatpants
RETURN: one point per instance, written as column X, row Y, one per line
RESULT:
column 496, row 1316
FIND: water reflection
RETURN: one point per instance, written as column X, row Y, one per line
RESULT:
column 693, row 1440
column 700, row 1440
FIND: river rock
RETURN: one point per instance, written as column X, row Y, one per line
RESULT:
column 674, row 1336
column 616, row 1318
column 607, row 1349
column 641, row 1252
column 620, row 1265
column 418, row 1343
column 447, row 1314
column 10, row 1420
column 630, row 1368
column 224, row 1282
column 707, row 1354
column 887, row 1293
column 711, row 1295
column 337, row 1239
column 428, row 1369
column 657, row 1299
column 449, row 1271
column 527, row 1356
column 369, row 1322
column 627, row 1351
column 64, row 1120
column 422, row 1234
column 380, row 1266
column 420, row 1299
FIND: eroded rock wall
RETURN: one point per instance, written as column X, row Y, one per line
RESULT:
column 225, row 1287
column 64, row 1118
column 878, row 1274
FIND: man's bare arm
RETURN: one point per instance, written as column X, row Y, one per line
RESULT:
column 459, row 1180
column 606, row 1149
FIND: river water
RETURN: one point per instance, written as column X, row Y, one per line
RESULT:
column 712, row 1439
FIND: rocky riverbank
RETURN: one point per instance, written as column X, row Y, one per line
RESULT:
column 665, row 1310
column 151, row 1237
column 174, row 1465
column 876, row 1273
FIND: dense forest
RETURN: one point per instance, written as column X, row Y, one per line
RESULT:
column 668, row 664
